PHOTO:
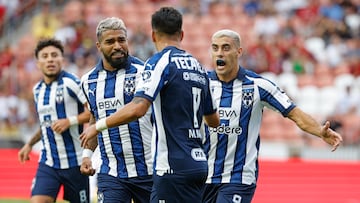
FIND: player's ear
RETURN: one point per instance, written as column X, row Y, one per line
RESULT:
column 181, row 35
column 153, row 36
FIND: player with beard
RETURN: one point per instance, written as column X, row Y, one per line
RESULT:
column 125, row 172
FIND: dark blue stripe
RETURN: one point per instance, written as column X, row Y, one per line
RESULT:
column 47, row 95
column 110, row 84
column 68, row 141
column 257, row 161
column 221, row 149
column 115, row 140
column 104, row 168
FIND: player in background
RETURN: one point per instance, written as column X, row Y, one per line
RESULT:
column 177, row 86
column 61, row 108
column 125, row 172
column 240, row 96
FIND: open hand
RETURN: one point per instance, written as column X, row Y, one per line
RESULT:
column 331, row 137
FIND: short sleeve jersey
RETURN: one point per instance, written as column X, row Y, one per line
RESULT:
column 125, row 150
column 233, row 147
column 60, row 99
column 178, row 87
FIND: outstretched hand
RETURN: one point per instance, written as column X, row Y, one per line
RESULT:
column 88, row 134
column 329, row 136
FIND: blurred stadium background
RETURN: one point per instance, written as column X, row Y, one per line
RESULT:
column 310, row 48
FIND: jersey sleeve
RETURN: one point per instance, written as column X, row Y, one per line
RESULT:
column 210, row 106
column 274, row 97
column 154, row 77
column 74, row 86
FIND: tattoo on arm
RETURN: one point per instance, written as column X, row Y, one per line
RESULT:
column 138, row 100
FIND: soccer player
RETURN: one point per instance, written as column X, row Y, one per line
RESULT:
column 61, row 107
column 125, row 172
column 240, row 97
column 177, row 86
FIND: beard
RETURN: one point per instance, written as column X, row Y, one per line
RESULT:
column 117, row 63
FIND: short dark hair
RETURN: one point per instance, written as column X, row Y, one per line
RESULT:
column 48, row 42
column 167, row 20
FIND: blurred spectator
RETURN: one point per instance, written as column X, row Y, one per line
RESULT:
column 331, row 9
column 346, row 115
column 352, row 18
column 141, row 43
column 6, row 57
column 45, row 23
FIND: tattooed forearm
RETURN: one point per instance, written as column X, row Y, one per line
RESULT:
column 138, row 100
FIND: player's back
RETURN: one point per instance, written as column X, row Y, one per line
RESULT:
column 179, row 101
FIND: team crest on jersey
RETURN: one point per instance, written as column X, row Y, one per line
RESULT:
column 247, row 97
column 59, row 94
column 129, row 86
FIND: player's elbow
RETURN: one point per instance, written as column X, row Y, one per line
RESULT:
column 138, row 107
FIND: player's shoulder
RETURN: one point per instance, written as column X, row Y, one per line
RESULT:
column 136, row 61
column 70, row 79
column 88, row 74
column 69, row 75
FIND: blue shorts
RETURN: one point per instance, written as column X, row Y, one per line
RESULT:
column 177, row 188
column 48, row 181
column 228, row 192
column 122, row 190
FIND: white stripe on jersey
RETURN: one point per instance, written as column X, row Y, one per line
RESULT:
column 162, row 161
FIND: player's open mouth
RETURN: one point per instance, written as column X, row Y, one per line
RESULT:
column 220, row 62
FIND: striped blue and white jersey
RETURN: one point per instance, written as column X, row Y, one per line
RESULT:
column 125, row 150
column 233, row 147
column 178, row 87
column 60, row 99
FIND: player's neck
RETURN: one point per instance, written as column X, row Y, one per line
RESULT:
column 166, row 43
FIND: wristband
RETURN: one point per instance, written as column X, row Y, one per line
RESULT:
column 73, row 120
column 101, row 125
column 87, row 153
